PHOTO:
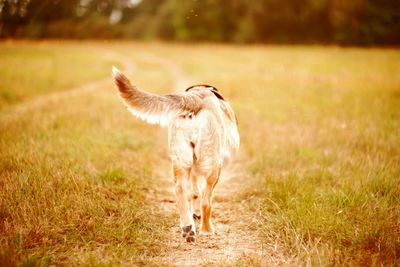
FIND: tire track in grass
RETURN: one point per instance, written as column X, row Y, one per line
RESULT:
column 182, row 80
column 43, row 100
column 236, row 220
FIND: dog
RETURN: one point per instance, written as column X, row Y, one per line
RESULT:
column 202, row 135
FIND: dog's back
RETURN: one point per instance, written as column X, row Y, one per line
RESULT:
column 201, row 124
column 204, row 140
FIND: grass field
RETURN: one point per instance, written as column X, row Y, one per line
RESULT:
column 320, row 130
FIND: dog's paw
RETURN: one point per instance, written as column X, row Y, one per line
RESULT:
column 207, row 230
column 188, row 233
column 206, row 233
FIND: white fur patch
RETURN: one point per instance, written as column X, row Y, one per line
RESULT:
column 116, row 72
column 163, row 119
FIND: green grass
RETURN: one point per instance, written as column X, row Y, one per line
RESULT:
column 31, row 69
column 320, row 126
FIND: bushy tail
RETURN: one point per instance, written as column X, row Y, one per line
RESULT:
column 152, row 108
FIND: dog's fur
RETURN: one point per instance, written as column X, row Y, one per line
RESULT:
column 203, row 136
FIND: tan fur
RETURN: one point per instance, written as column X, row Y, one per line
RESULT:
column 202, row 135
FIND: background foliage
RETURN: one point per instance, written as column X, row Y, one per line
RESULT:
column 358, row 22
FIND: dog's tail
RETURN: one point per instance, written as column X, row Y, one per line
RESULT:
column 152, row 108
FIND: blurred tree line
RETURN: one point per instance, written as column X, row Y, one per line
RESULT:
column 360, row 22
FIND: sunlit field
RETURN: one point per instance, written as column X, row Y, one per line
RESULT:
column 320, row 133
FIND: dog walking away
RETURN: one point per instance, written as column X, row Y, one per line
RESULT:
column 202, row 137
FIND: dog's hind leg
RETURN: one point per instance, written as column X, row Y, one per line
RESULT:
column 196, row 197
column 206, row 227
column 181, row 177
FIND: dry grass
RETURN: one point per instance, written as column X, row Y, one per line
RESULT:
column 320, row 125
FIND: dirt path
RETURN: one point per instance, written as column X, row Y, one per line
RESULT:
column 236, row 220
column 236, row 223
column 182, row 80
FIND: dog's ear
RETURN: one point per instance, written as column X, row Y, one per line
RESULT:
column 209, row 87
column 187, row 89
column 217, row 94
